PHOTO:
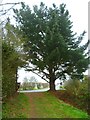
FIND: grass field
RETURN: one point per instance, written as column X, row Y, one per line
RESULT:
column 40, row 105
column 16, row 107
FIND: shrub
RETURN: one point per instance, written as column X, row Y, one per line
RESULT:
column 80, row 90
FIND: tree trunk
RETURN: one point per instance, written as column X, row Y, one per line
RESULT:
column 52, row 85
column 52, row 79
column 16, row 80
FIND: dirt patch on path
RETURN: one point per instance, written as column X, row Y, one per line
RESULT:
column 32, row 96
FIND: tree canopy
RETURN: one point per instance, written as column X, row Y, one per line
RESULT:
column 51, row 46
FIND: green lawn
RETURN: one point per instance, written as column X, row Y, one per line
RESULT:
column 17, row 107
column 46, row 106
column 51, row 107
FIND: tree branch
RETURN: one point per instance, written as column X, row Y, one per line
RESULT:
column 35, row 69
column 10, row 3
column 40, row 76
column 6, row 11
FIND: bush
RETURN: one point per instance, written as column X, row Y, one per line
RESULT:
column 72, row 86
column 79, row 89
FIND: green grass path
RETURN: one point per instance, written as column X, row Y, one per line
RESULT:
column 40, row 105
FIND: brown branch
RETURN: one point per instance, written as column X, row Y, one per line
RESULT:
column 36, row 69
column 40, row 76
column 6, row 11
column 10, row 3
column 33, row 70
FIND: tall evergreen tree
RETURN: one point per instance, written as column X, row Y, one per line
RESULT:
column 50, row 44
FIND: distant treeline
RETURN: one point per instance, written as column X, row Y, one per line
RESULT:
column 33, row 85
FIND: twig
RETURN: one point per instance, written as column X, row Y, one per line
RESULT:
column 10, row 3
column 6, row 11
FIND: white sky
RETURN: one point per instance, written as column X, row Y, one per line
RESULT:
column 78, row 9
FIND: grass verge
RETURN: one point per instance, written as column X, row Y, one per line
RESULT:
column 46, row 106
column 16, row 107
column 51, row 107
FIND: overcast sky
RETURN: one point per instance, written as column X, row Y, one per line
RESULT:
column 78, row 9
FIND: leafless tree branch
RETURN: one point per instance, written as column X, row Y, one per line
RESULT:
column 6, row 11
column 40, row 76
column 10, row 3
column 33, row 70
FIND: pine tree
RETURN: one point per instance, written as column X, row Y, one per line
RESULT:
column 51, row 46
